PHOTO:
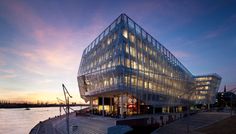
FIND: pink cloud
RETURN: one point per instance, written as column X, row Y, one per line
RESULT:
column 54, row 55
column 2, row 62
column 8, row 71
column 8, row 76
column 217, row 32
column 181, row 54
column 223, row 28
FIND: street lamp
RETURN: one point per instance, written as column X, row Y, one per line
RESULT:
column 188, row 93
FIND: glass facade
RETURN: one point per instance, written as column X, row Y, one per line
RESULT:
column 206, row 88
column 126, row 63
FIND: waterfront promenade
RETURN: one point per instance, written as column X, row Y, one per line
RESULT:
column 78, row 125
column 99, row 125
column 87, row 125
column 194, row 122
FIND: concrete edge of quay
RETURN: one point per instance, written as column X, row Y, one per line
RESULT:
column 155, row 122
column 37, row 129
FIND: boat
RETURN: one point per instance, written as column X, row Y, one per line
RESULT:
column 27, row 108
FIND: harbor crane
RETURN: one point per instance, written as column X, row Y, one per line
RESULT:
column 67, row 106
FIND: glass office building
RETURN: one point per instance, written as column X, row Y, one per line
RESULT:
column 206, row 87
column 126, row 70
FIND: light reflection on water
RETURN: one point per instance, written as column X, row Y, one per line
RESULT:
column 21, row 121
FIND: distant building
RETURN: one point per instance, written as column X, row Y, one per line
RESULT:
column 225, row 99
column 206, row 87
column 126, row 70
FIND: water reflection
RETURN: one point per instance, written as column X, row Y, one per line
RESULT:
column 21, row 121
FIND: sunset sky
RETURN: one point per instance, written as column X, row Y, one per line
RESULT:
column 41, row 41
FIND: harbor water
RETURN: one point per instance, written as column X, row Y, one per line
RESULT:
column 21, row 121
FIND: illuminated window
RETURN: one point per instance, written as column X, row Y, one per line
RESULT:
column 135, row 65
column 111, row 81
column 127, row 48
column 108, row 41
column 140, row 67
column 132, row 38
column 151, row 75
column 125, row 33
column 145, row 84
column 106, row 107
column 150, row 85
column 134, row 81
column 122, row 60
column 115, row 81
column 140, row 56
column 126, row 79
column 146, row 48
column 105, row 82
column 140, row 83
column 133, row 51
column 103, row 66
column 115, row 36
column 109, row 64
column 139, row 43
column 132, row 63
column 127, row 63
column 203, row 92
column 201, row 97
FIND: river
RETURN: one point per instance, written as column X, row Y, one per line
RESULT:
column 21, row 121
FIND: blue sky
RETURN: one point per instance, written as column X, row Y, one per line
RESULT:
column 41, row 42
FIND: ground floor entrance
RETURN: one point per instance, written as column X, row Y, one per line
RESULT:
column 123, row 105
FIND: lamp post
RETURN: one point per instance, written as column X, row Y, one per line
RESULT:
column 188, row 93
column 231, row 100
column 188, row 114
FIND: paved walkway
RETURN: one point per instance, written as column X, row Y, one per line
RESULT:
column 47, row 126
column 195, row 121
column 100, row 125
column 86, row 125
column 80, row 124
